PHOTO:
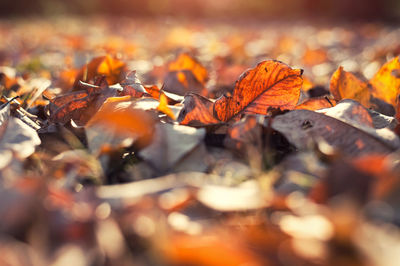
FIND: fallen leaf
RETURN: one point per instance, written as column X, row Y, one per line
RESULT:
column 301, row 127
column 344, row 85
column 386, row 82
column 271, row 84
column 212, row 250
column 197, row 111
column 316, row 103
column 182, row 82
column 171, row 144
column 106, row 65
column 353, row 113
column 186, row 62
column 121, row 121
column 16, row 138
column 81, row 105
column 163, row 107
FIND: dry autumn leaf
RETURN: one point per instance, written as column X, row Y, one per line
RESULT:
column 163, row 106
column 271, row 84
column 208, row 250
column 187, row 62
column 303, row 126
column 384, row 87
column 185, row 74
column 122, row 119
column 16, row 138
column 112, row 68
column 197, row 111
column 386, row 82
column 316, row 103
column 344, row 85
column 173, row 144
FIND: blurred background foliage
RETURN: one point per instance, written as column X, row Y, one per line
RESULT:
column 384, row 10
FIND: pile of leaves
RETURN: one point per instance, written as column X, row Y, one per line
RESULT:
column 99, row 168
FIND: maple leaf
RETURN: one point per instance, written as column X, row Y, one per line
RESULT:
column 271, row 84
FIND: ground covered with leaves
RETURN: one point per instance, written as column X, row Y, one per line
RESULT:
column 146, row 142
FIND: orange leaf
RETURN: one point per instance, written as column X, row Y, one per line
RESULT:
column 344, row 85
column 316, row 104
column 122, row 118
column 272, row 84
column 386, row 83
column 183, row 81
column 397, row 129
column 104, row 65
column 208, row 250
column 186, row 62
column 163, row 106
column 153, row 90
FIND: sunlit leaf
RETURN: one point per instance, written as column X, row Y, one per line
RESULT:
column 106, row 65
column 163, row 106
column 316, row 103
column 271, row 84
column 344, row 85
column 386, row 83
column 187, row 62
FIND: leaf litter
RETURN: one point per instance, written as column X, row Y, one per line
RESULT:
column 156, row 158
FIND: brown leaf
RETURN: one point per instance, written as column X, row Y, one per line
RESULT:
column 81, row 105
column 397, row 129
column 245, row 132
column 182, row 81
column 271, row 84
column 197, row 111
column 303, row 126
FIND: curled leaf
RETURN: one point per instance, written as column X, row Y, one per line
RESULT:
column 163, row 106
column 197, row 111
